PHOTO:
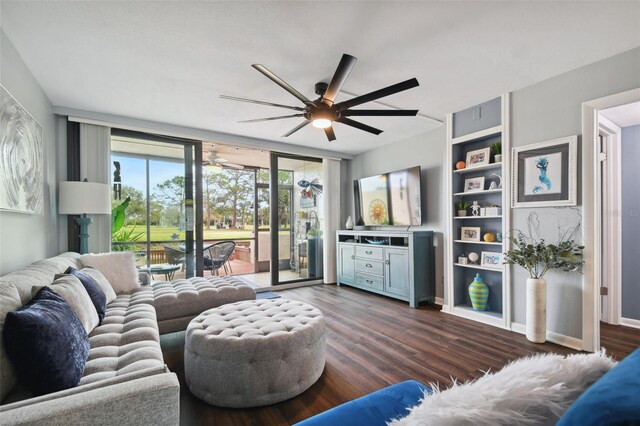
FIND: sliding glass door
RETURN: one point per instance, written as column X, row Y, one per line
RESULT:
column 154, row 192
column 296, row 207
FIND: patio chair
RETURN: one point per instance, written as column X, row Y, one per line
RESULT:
column 175, row 256
column 218, row 256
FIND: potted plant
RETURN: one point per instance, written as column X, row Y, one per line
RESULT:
column 461, row 207
column 538, row 257
column 496, row 150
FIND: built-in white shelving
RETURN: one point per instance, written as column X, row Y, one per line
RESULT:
column 477, row 217
column 477, row 242
column 479, row 168
column 470, row 193
column 460, row 275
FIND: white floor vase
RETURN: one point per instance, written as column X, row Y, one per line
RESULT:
column 536, row 310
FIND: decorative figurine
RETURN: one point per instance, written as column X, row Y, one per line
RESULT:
column 473, row 257
column 475, row 209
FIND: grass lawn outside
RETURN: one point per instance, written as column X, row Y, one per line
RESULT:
column 163, row 233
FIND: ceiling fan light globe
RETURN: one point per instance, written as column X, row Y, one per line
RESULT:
column 321, row 123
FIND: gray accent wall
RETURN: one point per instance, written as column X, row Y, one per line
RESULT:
column 26, row 238
column 427, row 151
column 548, row 110
column 479, row 117
column 630, row 150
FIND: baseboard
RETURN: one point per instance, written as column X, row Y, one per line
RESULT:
column 439, row 301
column 518, row 328
column 446, row 308
column 629, row 322
column 559, row 339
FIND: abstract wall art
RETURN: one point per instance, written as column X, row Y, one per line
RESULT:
column 544, row 174
column 21, row 158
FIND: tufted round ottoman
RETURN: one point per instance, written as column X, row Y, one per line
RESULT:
column 255, row 352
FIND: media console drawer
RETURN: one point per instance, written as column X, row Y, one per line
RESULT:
column 366, row 280
column 375, row 253
column 369, row 266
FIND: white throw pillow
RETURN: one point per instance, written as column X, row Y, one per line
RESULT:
column 102, row 282
column 119, row 268
column 528, row 391
column 73, row 292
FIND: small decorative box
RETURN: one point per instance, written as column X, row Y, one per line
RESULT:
column 491, row 211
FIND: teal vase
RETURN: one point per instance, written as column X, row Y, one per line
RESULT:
column 479, row 294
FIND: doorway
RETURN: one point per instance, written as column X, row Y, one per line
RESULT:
column 619, row 136
column 604, row 216
column 296, row 203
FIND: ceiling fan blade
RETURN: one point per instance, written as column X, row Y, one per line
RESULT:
column 253, row 101
column 257, row 120
column 342, row 72
column 379, row 112
column 330, row 134
column 295, row 129
column 280, row 82
column 358, row 125
column 377, row 94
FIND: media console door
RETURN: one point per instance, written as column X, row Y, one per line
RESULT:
column 346, row 264
column 397, row 271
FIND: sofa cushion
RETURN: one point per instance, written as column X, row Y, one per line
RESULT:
column 102, row 282
column 612, row 400
column 118, row 267
column 74, row 293
column 190, row 297
column 46, row 343
column 377, row 408
column 529, row 391
column 9, row 301
column 127, row 341
column 98, row 298
column 39, row 274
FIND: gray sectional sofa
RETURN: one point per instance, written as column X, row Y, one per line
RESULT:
column 125, row 380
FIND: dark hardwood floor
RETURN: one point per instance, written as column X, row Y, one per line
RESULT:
column 619, row 341
column 373, row 342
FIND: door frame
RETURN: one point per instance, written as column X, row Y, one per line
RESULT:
column 274, row 219
column 611, row 220
column 592, row 205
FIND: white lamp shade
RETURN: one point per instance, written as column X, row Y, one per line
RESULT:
column 84, row 198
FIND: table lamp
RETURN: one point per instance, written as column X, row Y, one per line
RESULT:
column 84, row 198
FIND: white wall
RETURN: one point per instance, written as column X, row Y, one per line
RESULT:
column 427, row 151
column 26, row 238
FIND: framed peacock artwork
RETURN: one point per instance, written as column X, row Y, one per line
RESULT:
column 545, row 174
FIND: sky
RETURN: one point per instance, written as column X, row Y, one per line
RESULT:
column 133, row 172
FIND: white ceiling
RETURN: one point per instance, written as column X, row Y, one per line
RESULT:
column 169, row 61
column 623, row 115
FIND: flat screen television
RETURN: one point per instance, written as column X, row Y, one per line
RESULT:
column 389, row 199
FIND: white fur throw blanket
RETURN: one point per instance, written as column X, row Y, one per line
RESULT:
column 529, row 391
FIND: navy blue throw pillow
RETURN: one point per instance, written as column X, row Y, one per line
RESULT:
column 46, row 343
column 95, row 292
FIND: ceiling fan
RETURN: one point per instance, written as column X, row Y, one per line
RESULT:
column 323, row 112
column 214, row 160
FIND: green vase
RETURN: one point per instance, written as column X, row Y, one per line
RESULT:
column 479, row 294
